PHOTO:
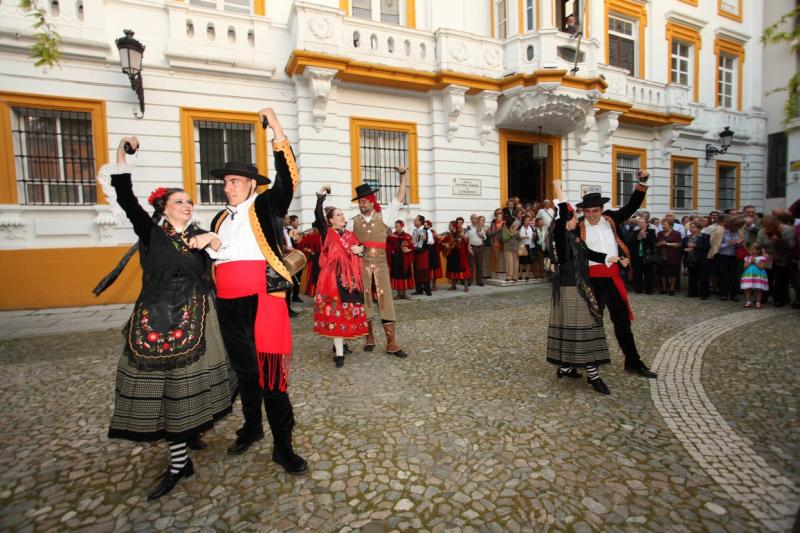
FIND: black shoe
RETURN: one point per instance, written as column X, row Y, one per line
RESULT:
column 369, row 347
column 297, row 299
column 242, row 430
column 571, row 373
column 347, row 350
column 723, row 298
column 339, row 360
column 292, row 313
column 244, row 441
column 734, row 299
column 779, row 304
column 169, row 480
column 429, row 293
column 197, row 443
column 291, row 462
column 399, row 353
column 642, row 371
column 598, row 385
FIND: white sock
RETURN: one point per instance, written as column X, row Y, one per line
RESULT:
column 178, row 456
column 338, row 343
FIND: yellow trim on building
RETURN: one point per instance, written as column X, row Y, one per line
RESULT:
column 685, row 160
column 423, row 81
column 64, row 277
column 632, row 10
column 187, row 118
column 520, row 18
column 259, row 8
column 686, row 35
column 616, row 150
column 734, row 49
column 690, row 2
column 8, row 167
column 553, row 168
column 727, row 14
column 409, row 128
column 729, row 164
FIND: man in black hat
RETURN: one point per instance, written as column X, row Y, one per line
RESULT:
column 252, row 283
column 370, row 228
column 601, row 231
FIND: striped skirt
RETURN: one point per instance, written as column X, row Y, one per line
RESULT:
column 574, row 338
column 174, row 405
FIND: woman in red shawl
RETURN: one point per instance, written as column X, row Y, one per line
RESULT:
column 456, row 247
column 435, row 271
column 339, row 299
column 400, row 256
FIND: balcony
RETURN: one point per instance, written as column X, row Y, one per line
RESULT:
column 80, row 23
column 217, row 41
column 550, row 49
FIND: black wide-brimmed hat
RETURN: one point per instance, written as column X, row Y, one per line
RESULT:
column 235, row 168
column 593, row 199
column 365, row 189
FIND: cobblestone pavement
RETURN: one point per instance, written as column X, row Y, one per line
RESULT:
column 473, row 432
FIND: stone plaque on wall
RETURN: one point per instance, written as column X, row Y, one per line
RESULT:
column 587, row 189
column 466, row 187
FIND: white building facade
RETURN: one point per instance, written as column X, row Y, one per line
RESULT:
column 460, row 91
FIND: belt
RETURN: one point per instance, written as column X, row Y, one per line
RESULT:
column 375, row 244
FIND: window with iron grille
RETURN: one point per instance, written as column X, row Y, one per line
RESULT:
column 776, row 165
column 681, row 60
column 726, row 77
column 216, row 143
column 54, row 156
column 501, row 31
column 233, row 6
column 682, row 186
column 726, row 187
column 622, row 44
column 627, row 166
column 380, row 152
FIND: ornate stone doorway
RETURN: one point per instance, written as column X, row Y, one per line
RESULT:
column 520, row 174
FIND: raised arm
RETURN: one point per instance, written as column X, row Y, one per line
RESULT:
column 401, row 190
column 141, row 221
column 287, row 176
column 319, row 215
column 634, row 202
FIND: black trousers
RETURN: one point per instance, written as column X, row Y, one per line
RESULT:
column 237, row 318
column 698, row 280
column 608, row 296
column 644, row 275
column 727, row 280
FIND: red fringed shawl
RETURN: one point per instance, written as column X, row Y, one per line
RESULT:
column 337, row 262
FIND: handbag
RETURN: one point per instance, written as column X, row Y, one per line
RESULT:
column 522, row 251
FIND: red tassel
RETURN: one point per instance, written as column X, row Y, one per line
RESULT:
column 276, row 362
column 261, row 358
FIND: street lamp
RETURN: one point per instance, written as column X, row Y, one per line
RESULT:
column 130, row 57
column 725, row 139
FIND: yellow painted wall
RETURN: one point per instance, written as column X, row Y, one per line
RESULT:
column 65, row 277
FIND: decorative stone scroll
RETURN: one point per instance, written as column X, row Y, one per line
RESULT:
column 452, row 105
column 319, row 84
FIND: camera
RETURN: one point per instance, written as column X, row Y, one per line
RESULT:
column 129, row 149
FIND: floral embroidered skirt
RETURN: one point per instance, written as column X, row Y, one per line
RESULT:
column 176, row 404
column 335, row 318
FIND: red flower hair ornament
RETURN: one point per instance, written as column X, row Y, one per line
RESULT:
column 155, row 195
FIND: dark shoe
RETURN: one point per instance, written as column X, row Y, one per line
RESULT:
column 197, row 443
column 734, row 299
column 480, row 284
column 292, row 313
column 369, row 345
column 428, row 293
column 339, row 361
column 598, row 385
column 169, row 480
column 297, row 299
column 347, row 350
column 723, row 298
column 642, row 371
column 778, row 304
column 399, row 353
column 244, row 441
column 571, row 373
column 291, row 462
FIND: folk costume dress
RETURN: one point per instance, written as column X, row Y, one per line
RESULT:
column 755, row 275
column 457, row 250
column 339, row 300
column 575, row 334
column 435, row 264
column 252, row 283
column 172, row 378
column 311, row 245
column 400, row 262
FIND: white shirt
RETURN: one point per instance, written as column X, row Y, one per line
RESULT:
column 418, row 241
column 547, row 215
column 238, row 241
column 474, row 236
column 289, row 244
column 526, row 234
column 600, row 238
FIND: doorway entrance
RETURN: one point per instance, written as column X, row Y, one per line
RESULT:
column 520, row 174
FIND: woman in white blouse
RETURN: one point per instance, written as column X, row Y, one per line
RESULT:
column 526, row 236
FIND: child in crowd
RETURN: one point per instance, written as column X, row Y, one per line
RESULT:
column 754, row 277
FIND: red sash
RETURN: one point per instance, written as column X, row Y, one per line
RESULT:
column 602, row 271
column 237, row 279
column 375, row 244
